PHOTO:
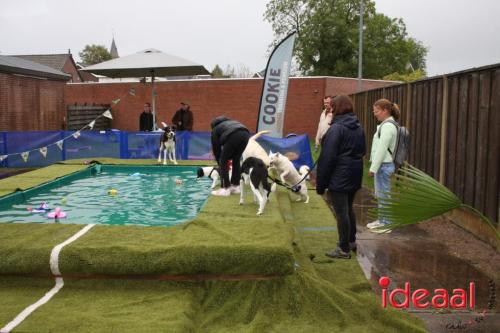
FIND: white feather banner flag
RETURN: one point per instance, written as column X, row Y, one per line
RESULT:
column 43, row 151
column 25, row 156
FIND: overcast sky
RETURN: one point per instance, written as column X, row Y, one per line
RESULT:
column 459, row 33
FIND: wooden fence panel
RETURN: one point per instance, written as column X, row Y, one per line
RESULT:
column 482, row 140
column 461, row 137
column 492, row 185
column 80, row 115
column 470, row 153
column 452, row 134
column 464, row 152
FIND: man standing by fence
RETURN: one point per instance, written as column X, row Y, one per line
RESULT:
column 146, row 119
column 183, row 118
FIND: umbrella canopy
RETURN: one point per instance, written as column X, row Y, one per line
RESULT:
column 150, row 62
column 147, row 63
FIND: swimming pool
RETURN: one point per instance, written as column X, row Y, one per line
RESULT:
column 145, row 195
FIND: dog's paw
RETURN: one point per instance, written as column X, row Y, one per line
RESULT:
column 164, row 163
column 241, row 202
column 175, row 162
column 259, row 213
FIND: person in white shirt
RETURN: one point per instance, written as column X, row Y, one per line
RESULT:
column 324, row 121
column 382, row 165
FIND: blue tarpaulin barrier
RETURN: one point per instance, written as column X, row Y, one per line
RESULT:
column 129, row 145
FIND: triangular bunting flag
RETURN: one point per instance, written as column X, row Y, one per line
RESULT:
column 43, row 151
column 3, row 157
column 60, row 144
column 91, row 125
column 25, row 156
column 107, row 114
column 116, row 101
column 76, row 135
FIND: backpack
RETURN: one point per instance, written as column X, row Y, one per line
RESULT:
column 402, row 147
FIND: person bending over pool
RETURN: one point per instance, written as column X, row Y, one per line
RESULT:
column 229, row 140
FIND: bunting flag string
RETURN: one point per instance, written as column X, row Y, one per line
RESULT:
column 25, row 156
column 43, row 151
column 59, row 143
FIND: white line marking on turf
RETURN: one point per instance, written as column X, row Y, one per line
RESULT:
column 54, row 267
column 54, row 256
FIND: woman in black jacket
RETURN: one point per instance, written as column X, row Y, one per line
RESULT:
column 229, row 140
column 340, row 170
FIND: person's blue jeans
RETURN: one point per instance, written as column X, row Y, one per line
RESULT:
column 383, row 185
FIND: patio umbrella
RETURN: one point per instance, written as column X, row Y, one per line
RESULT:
column 150, row 62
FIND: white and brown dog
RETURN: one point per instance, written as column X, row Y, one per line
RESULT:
column 253, row 149
column 289, row 175
column 254, row 173
column 167, row 144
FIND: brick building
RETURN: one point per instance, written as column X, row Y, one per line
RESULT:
column 31, row 96
column 63, row 62
column 235, row 98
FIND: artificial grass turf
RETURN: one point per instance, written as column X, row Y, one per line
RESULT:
column 224, row 238
column 37, row 177
column 110, row 306
column 321, row 296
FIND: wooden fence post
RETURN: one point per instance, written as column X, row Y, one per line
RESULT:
column 408, row 105
column 444, row 129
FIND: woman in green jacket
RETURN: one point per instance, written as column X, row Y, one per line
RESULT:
column 382, row 166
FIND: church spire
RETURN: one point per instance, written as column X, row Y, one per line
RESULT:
column 113, row 50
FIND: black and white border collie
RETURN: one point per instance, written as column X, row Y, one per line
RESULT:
column 254, row 173
column 167, row 144
column 213, row 173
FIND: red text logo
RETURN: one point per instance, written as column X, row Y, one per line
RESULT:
column 423, row 298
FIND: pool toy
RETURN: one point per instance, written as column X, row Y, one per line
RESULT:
column 178, row 182
column 64, row 200
column 56, row 214
column 137, row 175
column 43, row 208
column 113, row 192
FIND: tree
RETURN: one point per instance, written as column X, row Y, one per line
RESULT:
column 217, row 72
column 416, row 75
column 328, row 38
column 94, row 54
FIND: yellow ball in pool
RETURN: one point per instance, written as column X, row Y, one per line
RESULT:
column 113, row 192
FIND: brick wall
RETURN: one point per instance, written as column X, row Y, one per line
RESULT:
column 235, row 98
column 69, row 68
column 29, row 104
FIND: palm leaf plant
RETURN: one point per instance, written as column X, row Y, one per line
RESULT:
column 416, row 197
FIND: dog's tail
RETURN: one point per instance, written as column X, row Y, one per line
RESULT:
column 303, row 170
column 258, row 135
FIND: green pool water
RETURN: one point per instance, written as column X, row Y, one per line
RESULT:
column 147, row 195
